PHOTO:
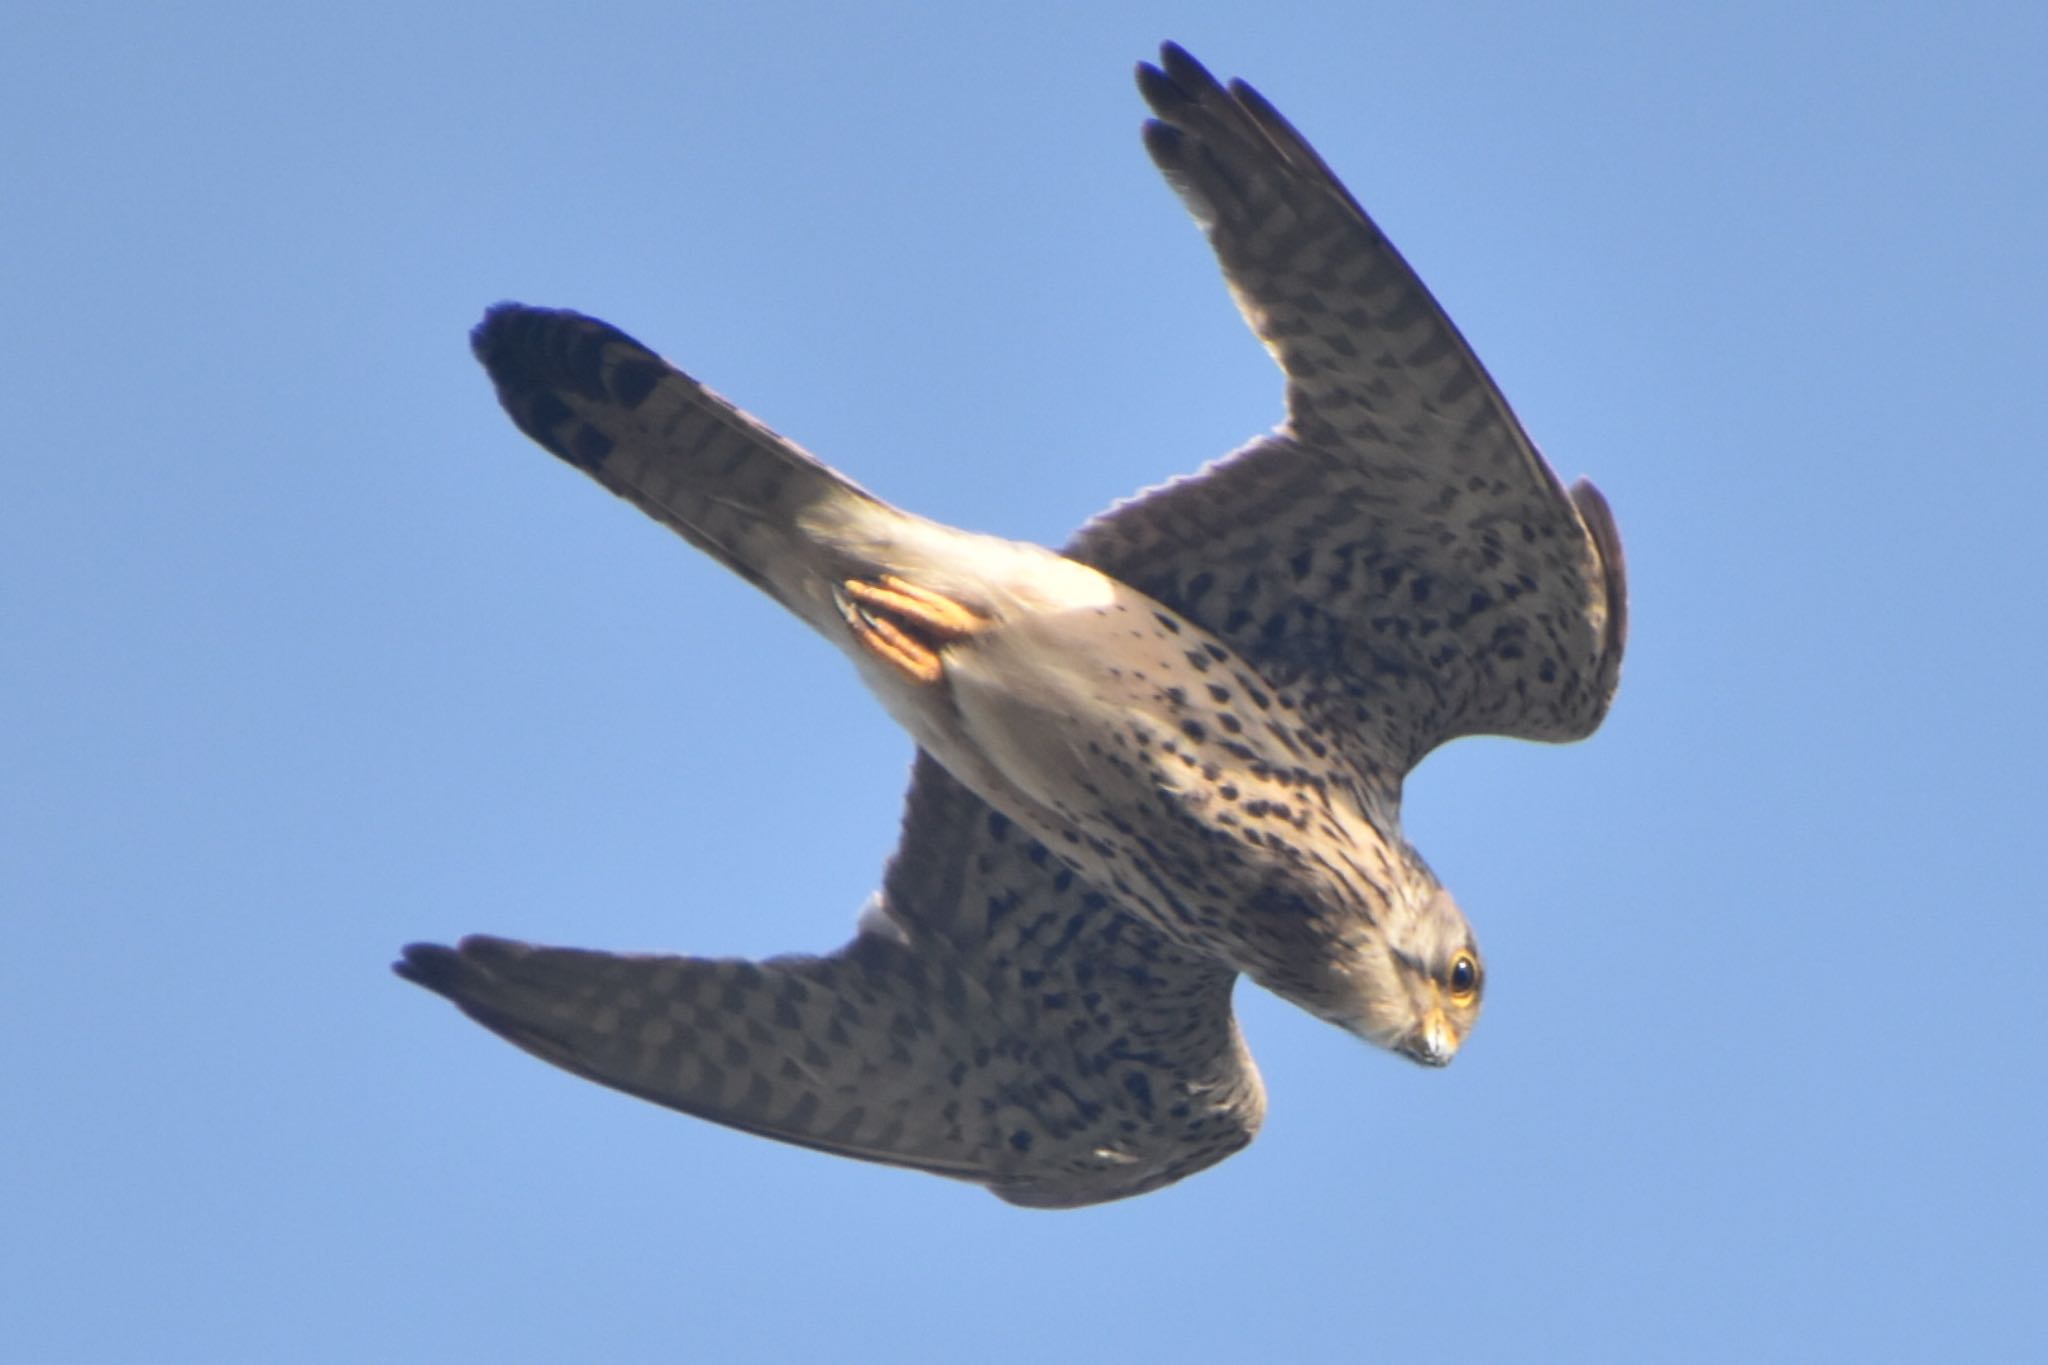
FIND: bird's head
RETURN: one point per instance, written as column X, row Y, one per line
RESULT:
column 1414, row 976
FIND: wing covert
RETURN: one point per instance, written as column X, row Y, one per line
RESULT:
column 994, row 1021
column 1398, row 550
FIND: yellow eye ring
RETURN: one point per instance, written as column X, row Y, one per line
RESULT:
column 1464, row 977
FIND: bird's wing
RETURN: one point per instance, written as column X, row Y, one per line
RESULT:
column 1398, row 552
column 601, row 401
column 995, row 1020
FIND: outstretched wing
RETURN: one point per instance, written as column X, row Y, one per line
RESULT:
column 599, row 400
column 995, row 1020
column 1398, row 551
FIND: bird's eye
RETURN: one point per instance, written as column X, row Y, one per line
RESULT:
column 1464, row 977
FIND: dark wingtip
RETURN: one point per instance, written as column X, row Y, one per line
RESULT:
column 524, row 348
column 511, row 344
column 1184, row 71
column 432, row 965
column 1178, row 81
column 1161, row 91
column 486, row 339
column 1245, row 93
column 536, row 356
column 1163, row 141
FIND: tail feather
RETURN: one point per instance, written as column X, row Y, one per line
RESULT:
column 604, row 403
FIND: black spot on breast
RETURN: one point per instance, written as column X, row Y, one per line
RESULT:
column 1167, row 621
column 1194, row 730
column 1218, row 692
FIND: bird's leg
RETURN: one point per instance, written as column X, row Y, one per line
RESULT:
column 905, row 625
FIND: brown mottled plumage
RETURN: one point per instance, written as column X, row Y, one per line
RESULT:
column 1168, row 756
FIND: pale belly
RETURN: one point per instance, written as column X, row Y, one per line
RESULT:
column 1160, row 766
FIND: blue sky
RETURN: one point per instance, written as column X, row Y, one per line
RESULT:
column 308, row 654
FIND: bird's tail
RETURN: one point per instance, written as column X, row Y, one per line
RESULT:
column 736, row 490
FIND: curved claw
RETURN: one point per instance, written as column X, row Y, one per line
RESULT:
column 904, row 625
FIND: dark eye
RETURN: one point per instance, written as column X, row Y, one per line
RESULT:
column 1464, row 976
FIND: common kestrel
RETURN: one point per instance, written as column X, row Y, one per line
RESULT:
column 1167, row 755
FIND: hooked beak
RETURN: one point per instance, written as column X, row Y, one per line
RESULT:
column 1433, row 1044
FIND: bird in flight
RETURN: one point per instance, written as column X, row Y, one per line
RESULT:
column 1170, row 754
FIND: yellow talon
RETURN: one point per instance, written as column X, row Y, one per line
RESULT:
column 940, row 615
column 904, row 624
column 889, row 640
